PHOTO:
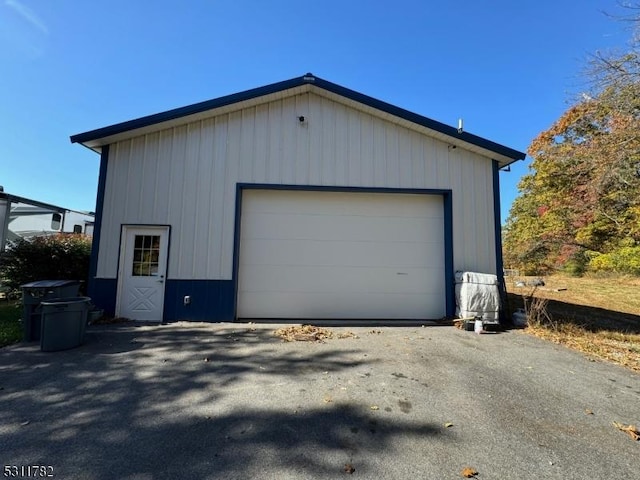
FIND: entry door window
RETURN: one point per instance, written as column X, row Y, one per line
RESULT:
column 146, row 255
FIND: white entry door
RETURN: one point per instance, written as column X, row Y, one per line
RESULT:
column 143, row 268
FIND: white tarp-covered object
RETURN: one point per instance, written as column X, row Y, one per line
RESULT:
column 477, row 294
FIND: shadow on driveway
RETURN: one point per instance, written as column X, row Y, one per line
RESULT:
column 191, row 400
column 185, row 402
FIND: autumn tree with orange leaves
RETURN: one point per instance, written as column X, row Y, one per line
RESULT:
column 579, row 207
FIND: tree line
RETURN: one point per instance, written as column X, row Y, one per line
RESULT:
column 579, row 207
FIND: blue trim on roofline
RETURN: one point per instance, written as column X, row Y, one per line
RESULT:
column 448, row 228
column 186, row 111
column 420, row 120
column 293, row 83
column 97, row 225
column 498, row 229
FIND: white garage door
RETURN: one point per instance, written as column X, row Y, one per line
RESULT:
column 341, row 255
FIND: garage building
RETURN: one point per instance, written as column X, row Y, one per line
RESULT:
column 298, row 200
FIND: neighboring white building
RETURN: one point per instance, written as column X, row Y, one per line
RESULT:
column 25, row 218
column 297, row 200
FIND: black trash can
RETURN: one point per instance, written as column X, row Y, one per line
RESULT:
column 34, row 293
column 64, row 321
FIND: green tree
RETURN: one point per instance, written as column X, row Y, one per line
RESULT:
column 579, row 207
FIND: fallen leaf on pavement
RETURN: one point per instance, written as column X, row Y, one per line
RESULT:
column 375, row 407
column 448, row 425
column 469, row 472
column 631, row 430
column 349, row 468
column 588, row 412
column 347, row 334
column 328, row 399
column 303, row 333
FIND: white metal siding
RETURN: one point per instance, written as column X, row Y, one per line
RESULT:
column 336, row 255
column 186, row 177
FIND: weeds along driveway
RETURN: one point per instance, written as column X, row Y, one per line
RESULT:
column 190, row 400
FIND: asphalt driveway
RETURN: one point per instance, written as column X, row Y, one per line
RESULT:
column 231, row 401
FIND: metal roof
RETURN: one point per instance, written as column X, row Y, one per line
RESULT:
column 96, row 138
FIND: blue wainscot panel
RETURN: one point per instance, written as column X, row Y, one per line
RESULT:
column 210, row 300
column 103, row 294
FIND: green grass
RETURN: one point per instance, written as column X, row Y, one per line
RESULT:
column 614, row 294
column 597, row 316
column 10, row 325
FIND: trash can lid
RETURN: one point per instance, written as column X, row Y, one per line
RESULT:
column 58, row 301
column 50, row 283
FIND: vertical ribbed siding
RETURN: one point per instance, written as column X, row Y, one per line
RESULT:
column 186, row 177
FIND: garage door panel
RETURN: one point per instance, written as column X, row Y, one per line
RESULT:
column 306, row 254
column 351, row 227
column 342, row 203
column 276, row 278
column 352, row 306
column 341, row 253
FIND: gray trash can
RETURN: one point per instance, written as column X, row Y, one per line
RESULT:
column 34, row 293
column 64, row 321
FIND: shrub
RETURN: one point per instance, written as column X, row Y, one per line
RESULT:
column 621, row 260
column 10, row 326
column 576, row 265
column 56, row 257
column 537, row 314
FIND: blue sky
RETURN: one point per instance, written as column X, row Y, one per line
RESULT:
column 509, row 68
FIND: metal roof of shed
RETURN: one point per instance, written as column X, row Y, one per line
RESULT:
column 95, row 139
